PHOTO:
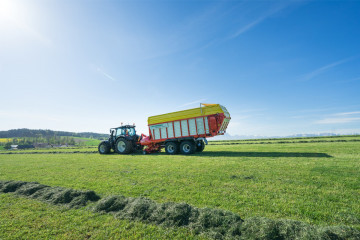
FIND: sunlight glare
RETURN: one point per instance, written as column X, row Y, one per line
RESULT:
column 9, row 10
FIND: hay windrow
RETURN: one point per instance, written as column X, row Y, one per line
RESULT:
column 264, row 228
column 54, row 195
column 10, row 186
column 111, row 204
column 339, row 233
column 213, row 223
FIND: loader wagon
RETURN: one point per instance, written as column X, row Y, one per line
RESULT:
column 185, row 131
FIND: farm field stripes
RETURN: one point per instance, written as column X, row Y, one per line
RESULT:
column 226, row 176
column 93, row 149
column 53, row 150
column 316, row 183
column 49, row 152
column 282, row 142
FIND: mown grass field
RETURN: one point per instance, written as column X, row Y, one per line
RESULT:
column 87, row 141
column 345, row 138
column 74, row 149
column 315, row 182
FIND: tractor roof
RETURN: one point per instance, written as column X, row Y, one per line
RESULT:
column 126, row 126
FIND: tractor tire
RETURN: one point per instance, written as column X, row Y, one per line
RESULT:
column 200, row 145
column 187, row 147
column 172, row 148
column 104, row 147
column 123, row 146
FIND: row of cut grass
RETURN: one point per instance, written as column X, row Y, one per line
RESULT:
column 23, row 218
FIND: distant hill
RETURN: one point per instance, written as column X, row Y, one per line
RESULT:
column 24, row 132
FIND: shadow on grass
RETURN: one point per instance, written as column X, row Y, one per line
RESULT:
column 261, row 154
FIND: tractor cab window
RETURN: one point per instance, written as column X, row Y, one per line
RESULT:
column 125, row 132
column 131, row 131
column 120, row 131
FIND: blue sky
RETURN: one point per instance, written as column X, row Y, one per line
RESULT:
column 280, row 67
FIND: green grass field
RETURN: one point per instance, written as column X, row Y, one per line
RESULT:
column 315, row 182
column 345, row 138
column 81, row 149
column 86, row 141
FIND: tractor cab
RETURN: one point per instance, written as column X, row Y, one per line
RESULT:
column 127, row 130
column 122, row 140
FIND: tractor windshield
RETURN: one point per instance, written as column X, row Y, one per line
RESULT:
column 131, row 131
column 120, row 131
column 125, row 132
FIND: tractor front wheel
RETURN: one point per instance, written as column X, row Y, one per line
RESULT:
column 104, row 147
column 123, row 146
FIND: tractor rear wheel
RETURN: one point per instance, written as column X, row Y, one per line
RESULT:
column 172, row 148
column 104, row 147
column 123, row 146
column 187, row 147
column 200, row 145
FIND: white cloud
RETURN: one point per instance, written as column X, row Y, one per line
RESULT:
column 347, row 113
column 190, row 103
column 337, row 120
column 260, row 19
column 248, row 27
column 323, row 69
column 106, row 75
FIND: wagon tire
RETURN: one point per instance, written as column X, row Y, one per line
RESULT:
column 187, row 147
column 172, row 148
column 104, row 147
column 122, row 146
column 200, row 145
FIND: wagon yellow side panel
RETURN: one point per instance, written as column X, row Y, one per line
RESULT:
column 190, row 113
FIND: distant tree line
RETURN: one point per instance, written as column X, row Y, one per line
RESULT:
column 26, row 141
column 40, row 133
